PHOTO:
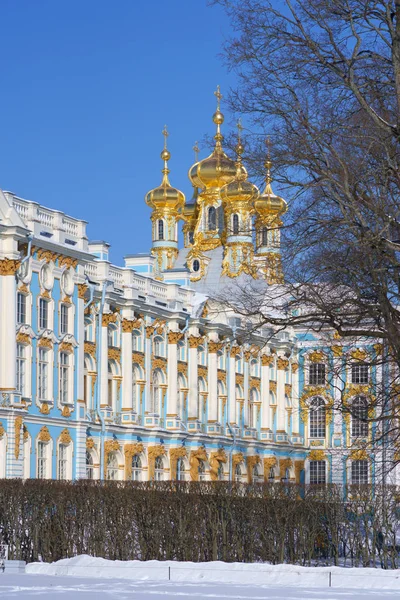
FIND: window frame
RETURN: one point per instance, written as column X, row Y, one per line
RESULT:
column 43, row 314
column 317, row 472
column 21, row 308
column 317, row 418
column 43, row 374
column 317, row 374
column 64, row 318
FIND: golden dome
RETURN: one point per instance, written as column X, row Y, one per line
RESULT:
column 217, row 169
column 239, row 190
column 269, row 203
column 165, row 196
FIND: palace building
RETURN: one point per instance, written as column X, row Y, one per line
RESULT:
column 126, row 372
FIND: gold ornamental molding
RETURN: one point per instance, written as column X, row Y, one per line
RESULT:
column 316, row 455
column 216, row 459
column 214, row 347
column 235, row 350
column 247, row 355
column 272, row 386
column 67, row 261
column 109, row 446
column 44, row 434
column 47, row 255
column 359, row 454
column 66, row 347
column 317, row 357
column 284, row 463
column 237, row 459
column 9, row 266
column 182, row 367
column 159, row 363
column 154, row 452
column 359, row 354
column 255, row 382
column 149, row 331
column 267, row 359
column 313, row 392
column 295, row 367
column 282, row 364
column 114, row 354
column 44, row 409
column 251, row 462
column 195, row 341
column 174, row 455
column 65, row 437
column 378, row 349
column 82, row 289
column 131, row 450
column 239, row 379
column 288, row 389
column 269, row 463
column 221, row 375
column 45, row 343
column 202, row 371
column 90, row 443
column 138, row 358
column 196, row 456
column 174, row 337
column 25, row 432
column 90, row 348
column 109, row 318
column 2, row 430
column 24, row 338
column 17, row 431
column 337, row 350
column 66, row 411
column 298, row 467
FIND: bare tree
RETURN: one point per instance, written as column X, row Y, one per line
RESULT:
column 322, row 78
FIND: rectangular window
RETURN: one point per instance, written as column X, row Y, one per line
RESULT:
column 21, row 369
column 62, row 461
column 43, row 314
column 316, row 374
column 43, row 367
column 41, row 460
column 21, row 308
column 64, row 319
column 317, row 472
column 64, row 368
column 359, row 374
column 359, row 472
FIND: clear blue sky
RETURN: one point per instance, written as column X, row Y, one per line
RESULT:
column 86, row 88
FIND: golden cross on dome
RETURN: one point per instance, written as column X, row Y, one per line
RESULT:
column 268, row 161
column 218, row 96
column 165, row 134
column 240, row 129
column 196, row 151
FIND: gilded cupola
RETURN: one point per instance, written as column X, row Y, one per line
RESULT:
column 240, row 189
column 217, row 169
column 165, row 196
column 269, row 204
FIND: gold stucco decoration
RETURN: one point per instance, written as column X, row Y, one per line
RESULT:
column 272, row 386
column 131, row 450
column 295, row 367
column 154, row 452
column 109, row 446
column 378, row 349
column 66, row 347
column 195, row 341
column 359, row 354
column 68, row 261
column 2, row 430
column 65, row 437
column 182, row 367
column 311, row 392
column 214, row 347
column 114, row 354
column 196, row 456
column 337, row 350
column 9, row 266
column 284, row 464
column 317, row 357
column 109, row 318
column 90, row 348
column 359, row 454
column 237, row 459
column 174, row 337
column 44, row 434
column 221, row 375
column 90, row 443
column 138, row 358
column 174, row 455
column 235, row 350
column 216, row 459
column 82, row 289
column 267, row 359
column 255, row 382
column 298, row 467
column 44, row 409
column 251, row 462
column 202, row 371
column 23, row 338
column 159, row 363
column 239, row 379
column 269, row 463
column 282, row 364
column 17, row 439
column 45, row 343
column 47, row 255
column 288, row 389
column 316, row 455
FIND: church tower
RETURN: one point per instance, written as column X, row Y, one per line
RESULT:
column 269, row 209
column 166, row 203
column 238, row 204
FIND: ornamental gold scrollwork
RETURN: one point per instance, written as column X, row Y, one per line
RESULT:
column 90, row 443
column 25, row 433
column 17, row 431
column 174, row 455
column 282, row 364
column 67, row 261
column 216, row 459
column 65, row 437
column 272, row 386
column 221, row 375
column 311, row 392
column 298, row 467
column 255, row 382
column 159, row 363
column 114, row 354
column 44, row 409
column 174, row 337
column 337, row 350
column 378, row 349
column 47, row 255
column 9, row 266
column 82, row 289
column 284, row 464
column 66, row 412
column 267, row 359
column 109, row 318
column 66, row 347
column 358, row 454
column 131, row 450
column 149, row 331
column 247, row 355
column 127, row 326
column 109, row 446
column 202, row 371
column 317, row 357
column 316, row 455
column 196, row 456
column 45, row 343
column 24, row 338
column 295, row 367
column 237, row 459
column 44, row 434
column 2, row 430
column 138, row 358
column 235, row 350
column 251, row 462
column 288, row 389
column 154, row 452
column 195, row 341
column 239, row 379
column 90, row 348
column 269, row 463
column 214, row 347
column 182, row 367
column 359, row 354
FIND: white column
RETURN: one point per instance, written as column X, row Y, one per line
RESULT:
column 212, row 381
column 231, row 384
column 193, row 377
column 280, row 393
column 148, row 366
column 126, row 365
column 265, row 408
column 8, row 342
column 172, row 405
column 80, row 350
column 295, row 399
column 104, row 364
column 246, row 391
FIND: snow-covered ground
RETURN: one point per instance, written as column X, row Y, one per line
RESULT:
column 88, row 578
column 35, row 587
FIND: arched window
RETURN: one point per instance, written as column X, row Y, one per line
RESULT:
column 271, row 475
column 317, row 418
column 159, row 469
column 196, row 266
column 202, row 471
column 156, row 395
column 235, row 224
column 359, row 421
column 180, row 470
column 89, row 466
column 238, row 473
column 160, row 229
column 264, row 236
column 88, row 330
column 201, row 355
column 212, row 218
column 257, row 475
column 158, row 346
column 110, row 335
column 136, row 468
column 112, row 467
column 136, row 341
column 254, row 367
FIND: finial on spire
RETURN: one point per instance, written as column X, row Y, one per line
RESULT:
column 218, row 95
column 165, row 134
column 165, row 154
column 267, row 163
column 196, row 150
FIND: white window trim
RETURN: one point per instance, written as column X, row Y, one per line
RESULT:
column 49, row 458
